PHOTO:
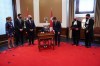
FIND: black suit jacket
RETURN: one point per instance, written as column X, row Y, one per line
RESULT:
column 89, row 27
column 74, row 31
column 19, row 25
column 30, row 25
column 57, row 26
column 76, row 26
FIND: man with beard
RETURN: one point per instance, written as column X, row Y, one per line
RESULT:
column 88, row 30
column 19, row 28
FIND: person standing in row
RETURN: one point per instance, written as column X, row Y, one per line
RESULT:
column 57, row 30
column 30, row 27
column 88, row 30
column 19, row 28
column 10, row 31
column 76, row 27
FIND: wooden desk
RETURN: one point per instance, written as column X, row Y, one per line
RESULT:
column 45, row 40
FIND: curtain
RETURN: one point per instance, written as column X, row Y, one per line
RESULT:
column 71, row 15
column 97, row 14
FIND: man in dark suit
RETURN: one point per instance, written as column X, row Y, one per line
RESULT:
column 19, row 27
column 57, row 30
column 30, row 26
column 88, row 31
column 76, row 27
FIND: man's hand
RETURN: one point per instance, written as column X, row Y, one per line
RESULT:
column 31, row 29
column 58, row 32
column 53, row 31
column 76, row 29
column 87, row 31
column 21, row 29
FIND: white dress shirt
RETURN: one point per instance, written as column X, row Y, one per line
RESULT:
column 75, row 23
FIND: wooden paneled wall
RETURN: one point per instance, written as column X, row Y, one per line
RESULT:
column 45, row 7
column 27, row 7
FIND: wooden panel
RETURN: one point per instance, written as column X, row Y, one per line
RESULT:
column 38, row 29
column 82, row 34
column 97, row 34
column 64, row 32
column 45, row 8
column 27, row 7
column 3, row 39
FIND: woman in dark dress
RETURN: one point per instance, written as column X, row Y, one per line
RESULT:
column 10, row 31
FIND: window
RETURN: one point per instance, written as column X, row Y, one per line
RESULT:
column 6, row 10
column 84, row 6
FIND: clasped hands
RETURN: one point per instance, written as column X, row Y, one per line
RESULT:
column 31, row 29
column 54, row 32
column 21, row 29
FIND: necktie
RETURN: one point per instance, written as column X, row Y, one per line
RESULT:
column 55, row 23
column 30, row 21
column 20, row 21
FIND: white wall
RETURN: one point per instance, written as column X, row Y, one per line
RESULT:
column 18, row 6
column 65, row 10
column 36, row 12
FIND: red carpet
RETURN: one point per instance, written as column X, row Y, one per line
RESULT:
column 65, row 55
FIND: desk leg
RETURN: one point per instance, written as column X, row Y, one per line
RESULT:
column 52, row 43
